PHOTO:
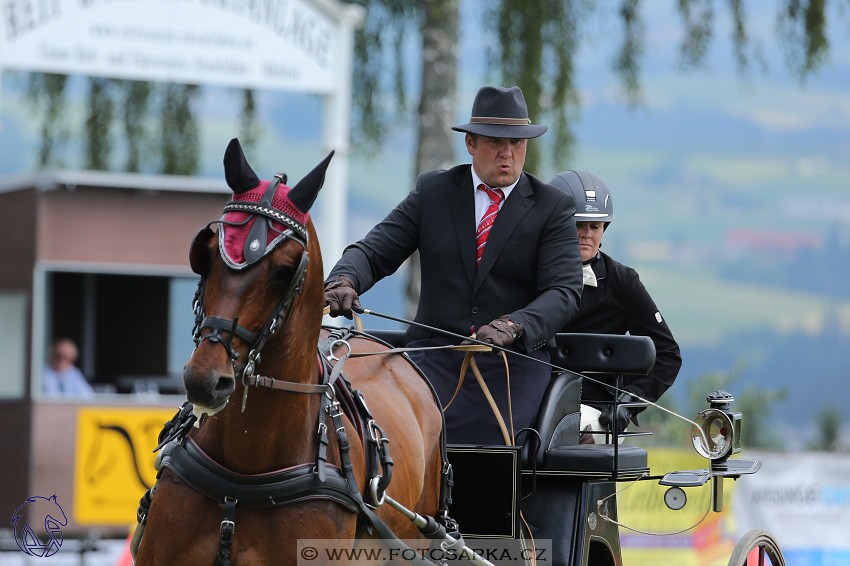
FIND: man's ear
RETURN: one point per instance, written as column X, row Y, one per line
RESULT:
column 471, row 143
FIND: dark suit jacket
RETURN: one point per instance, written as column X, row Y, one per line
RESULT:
column 531, row 267
column 619, row 305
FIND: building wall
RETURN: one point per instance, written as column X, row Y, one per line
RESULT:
column 100, row 228
column 17, row 257
column 122, row 226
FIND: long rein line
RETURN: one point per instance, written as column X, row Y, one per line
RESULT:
column 361, row 310
column 478, row 343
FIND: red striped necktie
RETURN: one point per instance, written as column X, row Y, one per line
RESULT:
column 496, row 196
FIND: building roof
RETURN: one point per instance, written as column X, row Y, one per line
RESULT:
column 70, row 180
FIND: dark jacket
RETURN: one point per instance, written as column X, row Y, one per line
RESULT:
column 620, row 305
column 531, row 267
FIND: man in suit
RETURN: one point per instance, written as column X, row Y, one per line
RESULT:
column 501, row 263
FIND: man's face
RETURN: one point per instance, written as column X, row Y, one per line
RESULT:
column 497, row 161
column 64, row 355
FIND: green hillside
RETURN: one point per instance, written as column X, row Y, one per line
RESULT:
column 702, row 309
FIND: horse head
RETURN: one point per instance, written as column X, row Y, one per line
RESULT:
column 261, row 280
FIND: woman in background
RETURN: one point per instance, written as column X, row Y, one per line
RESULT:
column 613, row 301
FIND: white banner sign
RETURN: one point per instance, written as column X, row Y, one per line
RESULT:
column 803, row 500
column 271, row 44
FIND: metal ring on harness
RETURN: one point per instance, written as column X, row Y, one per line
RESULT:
column 373, row 490
column 332, row 356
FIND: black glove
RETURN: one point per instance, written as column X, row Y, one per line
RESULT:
column 624, row 414
column 340, row 296
column 499, row 332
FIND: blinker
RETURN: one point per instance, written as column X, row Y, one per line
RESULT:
column 199, row 259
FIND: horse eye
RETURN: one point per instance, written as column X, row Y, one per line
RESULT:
column 282, row 274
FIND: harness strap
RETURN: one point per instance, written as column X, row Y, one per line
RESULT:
column 141, row 519
column 225, row 540
column 290, row 485
column 219, row 325
column 375, row 443
column 469, row 362
column 281, row 385
column 322, row 438
column 446, row 474
column 334, row 411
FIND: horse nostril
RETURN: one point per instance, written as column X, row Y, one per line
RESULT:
column 225, row 384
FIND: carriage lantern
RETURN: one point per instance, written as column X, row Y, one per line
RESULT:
column 717, row 433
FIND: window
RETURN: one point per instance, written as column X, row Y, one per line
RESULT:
column 133, row 331
column 13, row 332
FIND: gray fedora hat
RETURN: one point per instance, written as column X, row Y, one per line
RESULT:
column 500, row 112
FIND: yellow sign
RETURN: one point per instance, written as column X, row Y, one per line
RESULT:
column 653, row 534
column 114, row 462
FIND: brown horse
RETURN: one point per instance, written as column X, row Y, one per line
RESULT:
column 258, row 291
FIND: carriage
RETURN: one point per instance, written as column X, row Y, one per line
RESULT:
column 565, row 491
column 332, row 437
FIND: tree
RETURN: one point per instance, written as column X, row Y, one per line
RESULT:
column 752, row 402
column 535, row 45
column 46, row 94
column 536, row 41
column 171, row 144
column 100, row 113
column 829, row 430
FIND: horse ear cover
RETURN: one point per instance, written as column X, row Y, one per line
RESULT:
column 303, row 194
column 238, row 174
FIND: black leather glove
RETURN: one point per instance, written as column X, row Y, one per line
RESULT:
column 340, row 296
column 624, row 414
column 499, row 332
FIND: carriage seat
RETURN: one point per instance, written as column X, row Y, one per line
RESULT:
column 558, row 419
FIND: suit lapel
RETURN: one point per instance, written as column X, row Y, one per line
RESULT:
column 462, row 207
column 515, row 208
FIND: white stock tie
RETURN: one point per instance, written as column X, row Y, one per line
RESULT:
column 588, row 276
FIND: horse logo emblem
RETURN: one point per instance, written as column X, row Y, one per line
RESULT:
column 44, row 509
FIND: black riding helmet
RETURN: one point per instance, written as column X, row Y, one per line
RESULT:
column 593, row 199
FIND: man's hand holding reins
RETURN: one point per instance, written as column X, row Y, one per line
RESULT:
column 501, row 332
column 341, row 296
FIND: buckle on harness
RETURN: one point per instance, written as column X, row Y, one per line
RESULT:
column 227, row 524
column 375, row 433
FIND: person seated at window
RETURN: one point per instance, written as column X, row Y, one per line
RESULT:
column 613, row 301
column 61, row 376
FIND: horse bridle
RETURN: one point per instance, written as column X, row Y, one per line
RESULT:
column 279, row 316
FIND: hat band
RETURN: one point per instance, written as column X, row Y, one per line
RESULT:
column 499, row 121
